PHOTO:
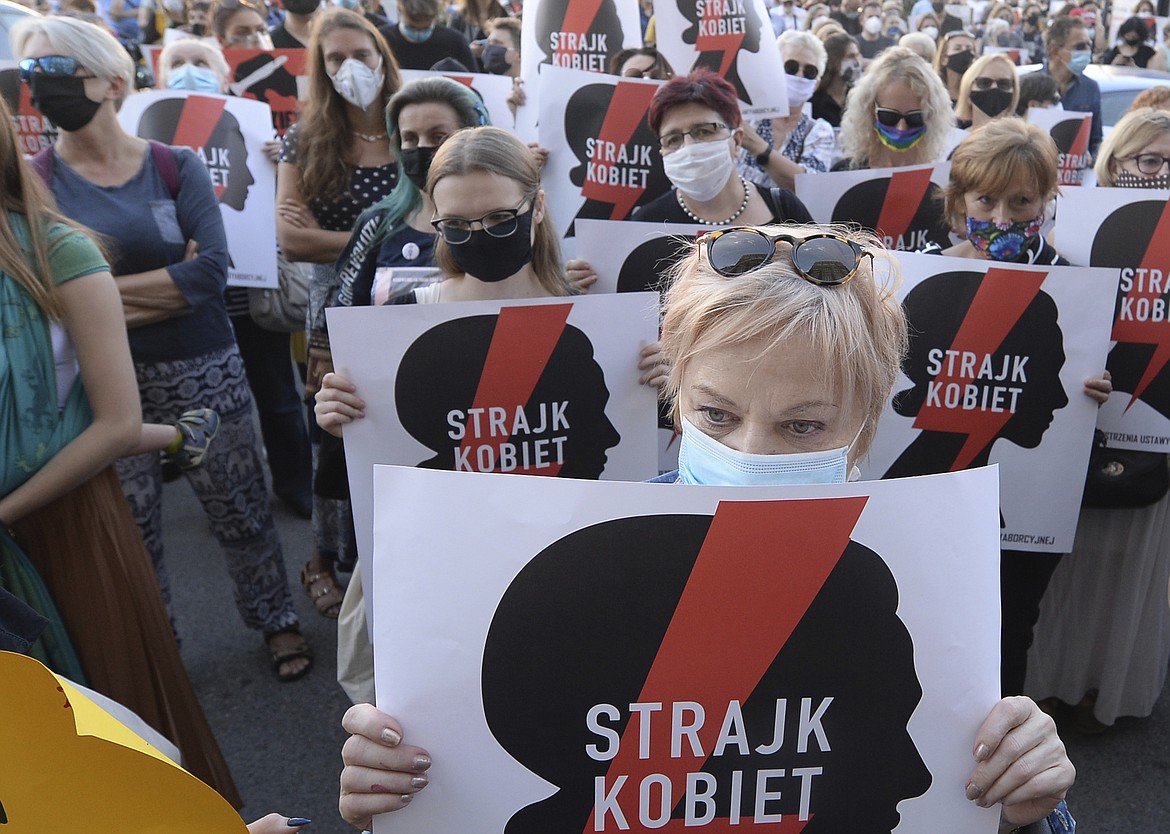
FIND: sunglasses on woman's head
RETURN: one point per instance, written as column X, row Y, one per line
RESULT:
column 792, row 67
column 55, row 66
column 821, row 259
column 890, row 117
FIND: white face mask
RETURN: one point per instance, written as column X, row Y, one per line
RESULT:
column 704, row 460
column 700, row 170
column 932, row 31
column 800, row 89
column 873, row 25
column 357, row 83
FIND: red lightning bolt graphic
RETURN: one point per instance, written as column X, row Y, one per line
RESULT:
column 465, row 80
column 522, row 343
column 903, row 199
column 627, row 110
column 780, row 553
column 1001, row 299
column 710, row 16
column 1148, row 332
column 196, row 124
column 1070, row 168
column 579, row 16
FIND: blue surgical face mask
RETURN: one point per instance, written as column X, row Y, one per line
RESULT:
column 193, row 78
column 1078, row 62
column 416, row 35
column 704, row 460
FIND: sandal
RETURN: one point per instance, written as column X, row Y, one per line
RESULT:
column 282, row 656
column 322, row 588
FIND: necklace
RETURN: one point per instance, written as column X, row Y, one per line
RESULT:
column 746, row 196
column 369, row 137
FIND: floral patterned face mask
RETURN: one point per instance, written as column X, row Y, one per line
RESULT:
column 1003, row 242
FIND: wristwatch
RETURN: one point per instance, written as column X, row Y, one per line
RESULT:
column 764, row 156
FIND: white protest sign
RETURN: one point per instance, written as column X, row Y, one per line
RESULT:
column 1127, row 230
column 606, row 656
column 228, row 134
column 546, row 386
column 995, row 373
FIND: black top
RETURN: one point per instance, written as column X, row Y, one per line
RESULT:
column 444, row 42
column 870, row 49
column 281, row 39
column 785, row 207
column 824, row 107
column 1140, row 59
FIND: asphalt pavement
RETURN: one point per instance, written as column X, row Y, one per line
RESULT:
column 283, row 740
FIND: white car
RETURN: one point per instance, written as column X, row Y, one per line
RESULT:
column 1119, row 86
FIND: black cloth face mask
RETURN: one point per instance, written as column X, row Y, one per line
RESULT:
column 416, row 164
column 993, row 101
column 63, row 100
column 491, row 259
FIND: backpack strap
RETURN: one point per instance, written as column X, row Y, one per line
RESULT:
column 163, row 156
column 164, row 162
column 42, row 163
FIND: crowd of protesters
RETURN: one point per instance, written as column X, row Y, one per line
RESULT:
column 158, row 370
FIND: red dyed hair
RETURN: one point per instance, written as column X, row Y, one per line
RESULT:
column 699, row 87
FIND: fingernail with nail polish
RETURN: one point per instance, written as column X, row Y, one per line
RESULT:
column 406, row 797
column 294, row 822
column 391, row 737
column 981, row 752
column 422, row 762
column 973, row 790
column 419, row 782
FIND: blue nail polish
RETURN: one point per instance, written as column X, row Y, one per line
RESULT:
column 295, row 821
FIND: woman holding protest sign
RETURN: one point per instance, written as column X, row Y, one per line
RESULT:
column 158, row 208
column 755, row 325
column 898, row 115
column 336, row 162
column 1104, row 629
column 698, row 123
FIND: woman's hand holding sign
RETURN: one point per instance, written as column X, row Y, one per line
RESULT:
column 381, row 773
column 337, row 404
column 1022, row 762
column 1099, row 388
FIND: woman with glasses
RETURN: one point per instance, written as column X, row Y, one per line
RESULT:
column 1104, row 628
column 336, row 162
column 956, row 53
column 157, row 209
column 898, row 115
column 990, row 89
column 776, row 150
column 752, row 318
column 697, row 120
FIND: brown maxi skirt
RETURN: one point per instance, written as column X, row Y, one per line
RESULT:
column 90, row 554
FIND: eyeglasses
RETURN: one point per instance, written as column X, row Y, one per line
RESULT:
column 1149, row 163
column 792, row 67
column 706, row 132
column 983, row 83
column 890, row 117
column 497, row 223
column 1083, row 46
column 821, row 259
column 54, row 66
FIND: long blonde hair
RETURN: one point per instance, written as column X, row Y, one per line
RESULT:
column 1137, row 129
column 324, row 135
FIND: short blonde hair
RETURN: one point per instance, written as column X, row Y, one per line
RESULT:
column 963, row 105
column 858, row 138
column 1137, row 129
column 1003, row 153
column 857, row 327
column 211, row 52
column 919, row 42
column 92, row 46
